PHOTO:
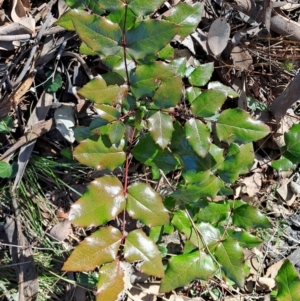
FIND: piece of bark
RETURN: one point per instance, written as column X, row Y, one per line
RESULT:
column 285, row 100
column 278, row 23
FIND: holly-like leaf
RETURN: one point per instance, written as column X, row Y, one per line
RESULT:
column 148, row 37
column 144, row 7
column 198, row 136
column 97, row 91
column 111, row 282
column 209, row 233
column 192, row 93
column 102, row 202
column 245, row 239
column 209, row 187
column 237, row 164
column 288, row 283
column 201, row 75
column 98, row 6
column 230, row 256
column 182, row 269
column 99, row 248
column 99, row 34
column 187, row 16
column 169, row 93
column 214, row 213
column 5, row 170
column 53, row 83
column 161, row 128
column 292, row 140
column 115, row 131
column 208, row 103
column 218, row 86
column 248, row 217
column 145, row 204
column 149, row 153
column 96, row 153
column 139, row 247
column 236, row 125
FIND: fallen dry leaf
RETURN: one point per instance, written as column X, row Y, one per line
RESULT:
column 61, row 230
column 252, row 184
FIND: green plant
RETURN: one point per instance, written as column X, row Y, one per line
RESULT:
column 148, row 115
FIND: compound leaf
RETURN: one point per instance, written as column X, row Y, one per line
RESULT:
column 148, row 37
column 187, row 16
column 236, row 125
column 208, row 103
column 111, row 282
column 97, row 91
column 230, row 256
column 288, row 283
column 182, row 269
column 99, row 155
column 99, row 248
column 139, row 247
column 103, row 201
column 161, row 128
column 198, row 136
column 248, row 217
column 145, row 204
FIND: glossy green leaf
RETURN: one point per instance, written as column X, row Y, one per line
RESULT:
column 106, row 113
column 148, row 37
column 192, row 93
column 245, row 239
column 81, row 133
column 102, row 202
column 6, row 124
column 209, row 233
column 5, row 169
column 98, row 6
column 218, row 86
column 230, row 256
column 160, row 126
column 248, row 217
column 182, row 269
column 95, row 152
column 99, row 248
column 188, row 157
column 139, row 247
column 147, row 78
column 145, row 204
column 111, row 282
column 193, row 192
column 201, row 75
column 208, row 103
column 292, row 140
column 167, row 53
column 214, row 213
column 144, row 7
column 236, row 125
column 180, row 65
column 283, row 164
column 149, row 153
column 237, row 164
column 115, row 131
column 198, row 136
column 288, row 283
column 97, row 91
column 181, row 221
column 187, row 16
column 169, row 93
column 98, row 33
column 121, row 16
